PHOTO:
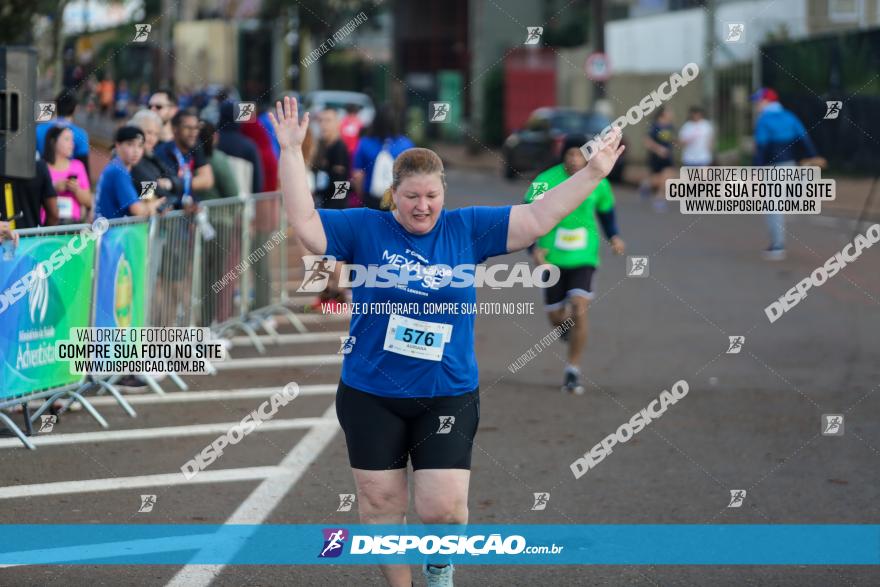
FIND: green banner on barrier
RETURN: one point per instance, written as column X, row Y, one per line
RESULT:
column 45, row 291
column 122, row 276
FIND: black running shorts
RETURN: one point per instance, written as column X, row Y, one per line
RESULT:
column 383, row 432
column 576, row 281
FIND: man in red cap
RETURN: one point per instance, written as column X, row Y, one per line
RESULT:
column 780, row 140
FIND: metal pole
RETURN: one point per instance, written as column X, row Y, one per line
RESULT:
column 165, row 36
column 709, row 101
column 598, row 38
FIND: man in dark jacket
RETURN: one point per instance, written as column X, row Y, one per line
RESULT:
column 235, row 144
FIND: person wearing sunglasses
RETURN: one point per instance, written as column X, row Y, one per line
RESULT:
column 164, row 103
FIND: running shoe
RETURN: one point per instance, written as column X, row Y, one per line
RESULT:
column 132, row 384
column 774, row 254
column 645, row 190
column 438, row 576
column 572, row 383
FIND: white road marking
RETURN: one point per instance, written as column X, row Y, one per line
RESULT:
column 267, row 362
column 138, row 482
column 163, row 432
column 292, row 338
column 109, row 549
column 213, row 395
column 265, row 498
column 319, row 317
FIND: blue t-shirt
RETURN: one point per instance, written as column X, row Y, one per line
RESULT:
column 371, row 237
column 115, row 191
column 780, row 137
column 80, row 137
column 369, row 148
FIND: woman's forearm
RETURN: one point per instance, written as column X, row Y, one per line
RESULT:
column 563, row 199
column 298, row 202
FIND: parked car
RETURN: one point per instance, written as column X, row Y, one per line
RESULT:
column 207, row 101
column 536, row 146
column 321, row 99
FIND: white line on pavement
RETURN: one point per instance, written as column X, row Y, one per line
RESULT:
column 321, row 317
column 117, row 483
column 213, row 395
column 292, row 338
column 260, row 503
column 261, row 362
column 163, row 432
column 106, row 550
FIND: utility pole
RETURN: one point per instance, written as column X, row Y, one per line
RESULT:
column 165, row 43
column 708, row 68
column 597, row 38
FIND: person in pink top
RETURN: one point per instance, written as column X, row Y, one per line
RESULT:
column 69, row 177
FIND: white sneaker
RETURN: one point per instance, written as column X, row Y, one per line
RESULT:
column 774, row 254
column 438, row 576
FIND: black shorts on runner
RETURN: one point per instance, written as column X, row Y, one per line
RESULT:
column 576, row 281
column 382, row 432
column 658, row 164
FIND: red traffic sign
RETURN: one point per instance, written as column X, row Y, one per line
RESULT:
column 598, row 68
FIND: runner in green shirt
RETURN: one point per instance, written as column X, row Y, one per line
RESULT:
column 573, row 246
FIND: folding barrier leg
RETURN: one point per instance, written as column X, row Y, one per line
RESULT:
column 118, row 396
column 75, row 397
column 4, row 419
column 154, row 385
column 294, row 320
column 46, row 405
column 251, row 333
column 267, row 326
column 89, row 408
column 178, row 381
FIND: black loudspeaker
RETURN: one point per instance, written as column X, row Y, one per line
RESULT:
column 18, row 88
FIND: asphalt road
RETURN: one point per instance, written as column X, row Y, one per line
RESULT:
column 750, row 421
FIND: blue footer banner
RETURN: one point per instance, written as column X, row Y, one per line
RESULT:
column 721, row 544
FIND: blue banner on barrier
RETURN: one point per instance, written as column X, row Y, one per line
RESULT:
column 732, row 544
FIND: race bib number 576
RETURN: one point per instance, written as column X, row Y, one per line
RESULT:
column 417, row 338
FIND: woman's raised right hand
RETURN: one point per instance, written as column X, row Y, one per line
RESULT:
column 288, row 129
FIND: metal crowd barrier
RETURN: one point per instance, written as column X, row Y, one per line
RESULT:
column 225, row 268
column 172, row 244
column 269, row 229
column 243, row 277
column 51, row 301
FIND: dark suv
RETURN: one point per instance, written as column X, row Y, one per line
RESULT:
column 536, row 146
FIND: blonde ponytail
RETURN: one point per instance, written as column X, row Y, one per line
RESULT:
column 387, row 202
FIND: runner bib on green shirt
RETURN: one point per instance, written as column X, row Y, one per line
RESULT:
column 574, row 242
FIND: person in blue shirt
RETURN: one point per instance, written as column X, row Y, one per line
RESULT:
column 184, row 157
column 409, row 388
column 780, row 140
column 116, row 196
column 65, row 108
column 382, row 135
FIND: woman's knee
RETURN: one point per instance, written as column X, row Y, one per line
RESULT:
column 442, row 510
column 375, row 499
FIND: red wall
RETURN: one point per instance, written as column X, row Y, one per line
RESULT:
column 529, row 83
